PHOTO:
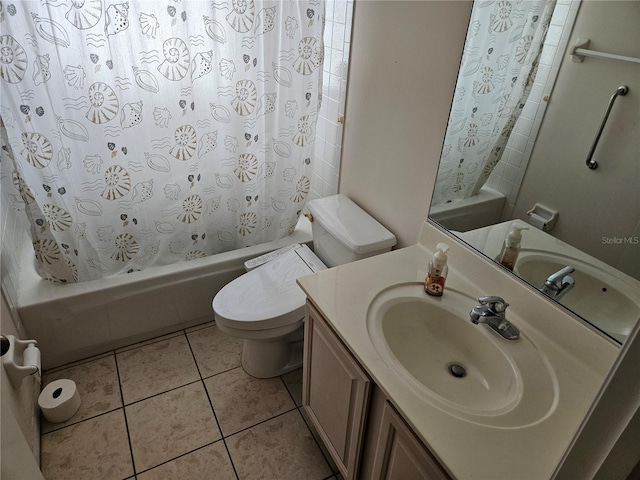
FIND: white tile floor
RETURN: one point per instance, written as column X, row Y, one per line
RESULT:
column 180, row 406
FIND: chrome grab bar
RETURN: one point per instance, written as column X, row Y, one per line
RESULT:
column 622, row 90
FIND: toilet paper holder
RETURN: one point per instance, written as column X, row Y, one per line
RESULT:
column 542, row 217
column 21, row 360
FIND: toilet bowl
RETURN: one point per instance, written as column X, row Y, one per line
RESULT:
column 266, row 308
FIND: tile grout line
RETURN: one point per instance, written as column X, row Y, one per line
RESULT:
column 261, row 422
column 299, row 408
column 127, row 348
column 215, row 416
column 124, row 414
column 179, row 456
column 223, row 437
column 316, row 440
column 75, row 364
column 80, row 421
column 161, row 393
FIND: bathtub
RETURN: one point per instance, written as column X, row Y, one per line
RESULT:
column 479, row 211
column 76, row 321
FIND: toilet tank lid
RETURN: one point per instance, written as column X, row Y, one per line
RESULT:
column 350, row 224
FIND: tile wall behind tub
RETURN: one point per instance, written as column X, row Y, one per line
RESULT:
column 337, row 39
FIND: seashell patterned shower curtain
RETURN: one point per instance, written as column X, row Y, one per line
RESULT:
column 497, row 71
column 141, row 133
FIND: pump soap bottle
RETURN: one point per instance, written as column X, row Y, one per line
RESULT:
column 511, row 247
column 437, row 271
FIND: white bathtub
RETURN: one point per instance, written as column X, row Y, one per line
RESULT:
column 479, row 211
column 75, row 321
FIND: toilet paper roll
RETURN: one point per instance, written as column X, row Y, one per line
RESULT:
column 537, row 221
column 59, row 400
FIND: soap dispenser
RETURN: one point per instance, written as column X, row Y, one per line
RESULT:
column 511, row 247
column 437, row 271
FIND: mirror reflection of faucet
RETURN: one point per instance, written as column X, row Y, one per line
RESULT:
column 558, row 284
column 491, row 312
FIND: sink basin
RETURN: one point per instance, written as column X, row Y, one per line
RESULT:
column 465, row 369
column 608, row 302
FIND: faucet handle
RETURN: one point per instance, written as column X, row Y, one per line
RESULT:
column 496, row 304
column 558, row 277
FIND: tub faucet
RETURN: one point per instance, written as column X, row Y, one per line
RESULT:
column 491, row 312
column 558, row 284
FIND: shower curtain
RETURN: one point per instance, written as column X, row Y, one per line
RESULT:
column 141, row 133
column 497, row 71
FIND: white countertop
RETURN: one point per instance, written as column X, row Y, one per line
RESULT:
column 579, row 357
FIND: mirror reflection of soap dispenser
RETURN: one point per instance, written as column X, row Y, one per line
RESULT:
column 511, row 247
column 437, row 271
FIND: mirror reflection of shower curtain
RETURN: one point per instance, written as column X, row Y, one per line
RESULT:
column 497, row 71
column 143, row 133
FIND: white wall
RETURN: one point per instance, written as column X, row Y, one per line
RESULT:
column 405, row 57
column 593, row 203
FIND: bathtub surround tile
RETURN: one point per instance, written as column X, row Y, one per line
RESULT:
column 206, row 463
column 293, row 382
column 241, row 400
column 97, row 384
column 94, row 448
column 214, row 351
column 166, row 426
column 155, row 368
column 279, row 449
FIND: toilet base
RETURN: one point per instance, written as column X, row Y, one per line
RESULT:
column 267, row 359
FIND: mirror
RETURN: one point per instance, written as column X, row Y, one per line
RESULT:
column 578, row 217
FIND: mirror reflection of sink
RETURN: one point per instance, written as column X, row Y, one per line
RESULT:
column 467, row 370
column 609, row 303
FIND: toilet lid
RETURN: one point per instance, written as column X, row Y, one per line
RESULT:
column 267, row 297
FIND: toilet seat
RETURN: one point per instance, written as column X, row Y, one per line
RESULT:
column 267, row 297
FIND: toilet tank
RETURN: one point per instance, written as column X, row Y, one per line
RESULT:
column 343, row 232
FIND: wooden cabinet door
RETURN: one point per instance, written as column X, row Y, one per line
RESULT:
column 335, row 393
column 399, row 455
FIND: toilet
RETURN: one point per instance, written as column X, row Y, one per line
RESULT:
column 265, row 307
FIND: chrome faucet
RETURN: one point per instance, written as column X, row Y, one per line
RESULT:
column 491, row 311
column 558, row 284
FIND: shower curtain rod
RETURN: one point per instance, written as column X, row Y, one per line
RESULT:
column 580, row 50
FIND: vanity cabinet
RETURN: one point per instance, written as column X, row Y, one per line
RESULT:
column 392, row 451
column 364, row 434
column 335, row 393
